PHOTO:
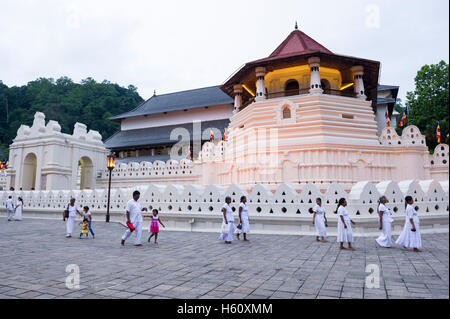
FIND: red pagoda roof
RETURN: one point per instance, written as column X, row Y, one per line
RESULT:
column 297, row 43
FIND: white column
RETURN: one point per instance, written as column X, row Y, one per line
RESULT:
column 260, row 85
column 237, row 97
column 358, row 72
column 316, row 86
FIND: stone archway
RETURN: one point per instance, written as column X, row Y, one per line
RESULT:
column 29, row 172
column 85, row 173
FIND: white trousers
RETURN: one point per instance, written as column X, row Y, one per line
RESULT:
column 10, row 214
column 70, row 221
column 138, row 231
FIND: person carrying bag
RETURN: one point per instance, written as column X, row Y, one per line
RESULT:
column 66, row 213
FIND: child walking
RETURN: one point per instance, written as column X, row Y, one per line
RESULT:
column 154, row 226
column 410, row 236
column 87, row 214
column 345, row 233
column 320, row 221
column 84, row 228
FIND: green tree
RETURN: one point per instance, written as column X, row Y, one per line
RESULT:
column 428, row 104
column 65, row 101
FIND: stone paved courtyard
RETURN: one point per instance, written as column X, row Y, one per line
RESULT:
column 34, row 255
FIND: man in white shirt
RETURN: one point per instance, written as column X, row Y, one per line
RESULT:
column 134, row 216
column 9, row 208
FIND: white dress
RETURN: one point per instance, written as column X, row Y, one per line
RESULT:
column 408, row 238
column 245, row 221
column 71, row 219
column 345, row 235
column 18, row 214
column 385, row 239
column 319, row 221
column 230, row 219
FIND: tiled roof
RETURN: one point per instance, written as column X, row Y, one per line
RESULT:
column 297, row 43
column 158, row 135
column 382, row 100
column 387, row 87
column 209, row 96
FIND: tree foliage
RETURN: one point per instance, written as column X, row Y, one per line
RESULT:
column 88, row 102
column 428, row 104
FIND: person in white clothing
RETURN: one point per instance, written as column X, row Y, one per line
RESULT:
column 134, row 211
column 410, row 236
column 9, row 208
column 320, row 221
column 345, row 233
column 244, row 224
column 72, row 210
column 228, row 219
column 384, row 240
column 18, row 209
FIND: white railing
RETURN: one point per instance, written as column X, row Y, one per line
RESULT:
column 431, row 198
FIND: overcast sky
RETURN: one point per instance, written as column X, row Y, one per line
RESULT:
column 170, row 46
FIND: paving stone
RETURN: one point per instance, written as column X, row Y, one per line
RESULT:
column 196, row 265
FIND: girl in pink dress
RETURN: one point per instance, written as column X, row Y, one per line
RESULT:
column 154, row 226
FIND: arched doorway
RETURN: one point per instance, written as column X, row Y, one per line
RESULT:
column 326, row 87
column 85, row 173
column 292, row 88
column 29, row 172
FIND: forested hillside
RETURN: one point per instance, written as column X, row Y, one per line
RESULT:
column 88, row 102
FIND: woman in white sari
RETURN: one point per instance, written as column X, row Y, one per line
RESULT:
column 386, row 220
column 410, row 236
column 244, row 224
column 18, row 209
column 320, row 221
column 227, row 222
column 345, row 233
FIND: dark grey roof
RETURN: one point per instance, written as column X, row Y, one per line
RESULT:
column 209, row 96
column 387, row 87
column 382, row 100
column 158, row 135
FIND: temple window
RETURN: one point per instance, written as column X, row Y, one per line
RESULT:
column 286, row 112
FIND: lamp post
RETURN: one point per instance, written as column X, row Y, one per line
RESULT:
column 110, row 163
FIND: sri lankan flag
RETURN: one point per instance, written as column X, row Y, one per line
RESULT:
column 211, row 136
column 225, row 133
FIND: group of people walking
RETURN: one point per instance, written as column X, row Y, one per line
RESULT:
column 14, row 212
column 228, row 228
column 409, row 238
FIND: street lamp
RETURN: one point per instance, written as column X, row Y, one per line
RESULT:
column 110, row 163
